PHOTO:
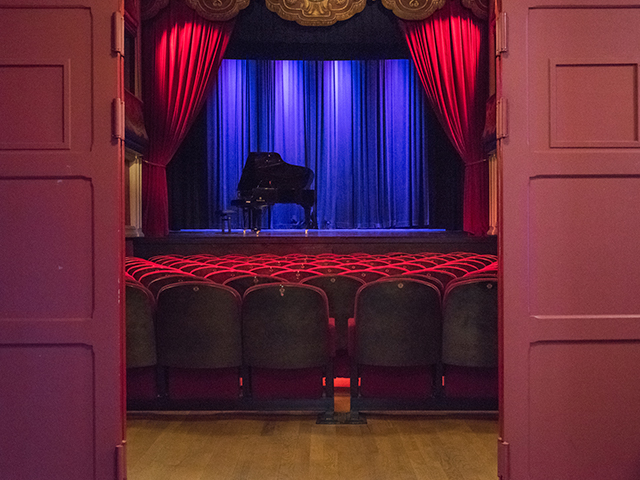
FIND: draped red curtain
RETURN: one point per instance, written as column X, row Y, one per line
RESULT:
column 181, row 55
column 449, row 49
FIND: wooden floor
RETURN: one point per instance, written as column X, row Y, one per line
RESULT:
column 206, row 446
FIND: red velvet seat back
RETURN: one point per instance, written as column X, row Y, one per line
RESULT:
column 199, row 340
column 242, row 282
column 470, row 338
column 286, row 340
column 397, row 338
column 141, row 359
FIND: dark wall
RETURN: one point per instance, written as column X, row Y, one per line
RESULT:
column 187, row 184
column 261, row 34
column 446, row 179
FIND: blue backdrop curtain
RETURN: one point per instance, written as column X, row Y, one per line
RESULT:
column 361, row 126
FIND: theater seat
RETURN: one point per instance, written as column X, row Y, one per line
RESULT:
column 443, row 276
column 160, row 282
column 242, row 282
column 199, row 344
column 266, row 271
column 138, row 271
column 287, row 347
column 470, row 343
column 341, row 293
column 141, row 359
column 366, row 275
column 205, row 270
column 296, row 276
column 223, row 275
column 390, row 270
column 396, row 347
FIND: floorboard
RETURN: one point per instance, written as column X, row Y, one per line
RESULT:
column 234, row 445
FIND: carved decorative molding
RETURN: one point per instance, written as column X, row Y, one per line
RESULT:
column 132, row 12
column 150, row 8
column 217, row 10
column 480, row 8
column 413, row 9
column 316, row 13
column 313, row 13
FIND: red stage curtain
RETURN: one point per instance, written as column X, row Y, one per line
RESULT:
column 449, row 51
column 181, row 55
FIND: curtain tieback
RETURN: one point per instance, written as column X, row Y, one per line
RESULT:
column 153, row 164
column 476, row 163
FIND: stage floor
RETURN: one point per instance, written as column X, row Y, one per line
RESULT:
column 299, row 232
column 282, row 242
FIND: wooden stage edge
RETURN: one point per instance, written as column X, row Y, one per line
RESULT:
column 282, row 242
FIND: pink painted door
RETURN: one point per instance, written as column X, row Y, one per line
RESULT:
column 569, row 241
column 61, row 242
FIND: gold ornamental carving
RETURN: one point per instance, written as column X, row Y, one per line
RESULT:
column 316, row 13
column 217, row 10
column 480, row 8
column 214, row 10
column 413, row 9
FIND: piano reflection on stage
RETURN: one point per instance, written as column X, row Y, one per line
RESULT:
column 266, row 180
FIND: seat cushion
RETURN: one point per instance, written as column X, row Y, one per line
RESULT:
column 141, row 384
column 396, row 382
column 273, row 383
column 470, row 382
column 203, row 383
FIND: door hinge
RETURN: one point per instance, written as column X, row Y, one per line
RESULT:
column 502, row 119
column 503, row 460
column 118, row 118
column 501, row 34
column 121, row 461
column 117, row 33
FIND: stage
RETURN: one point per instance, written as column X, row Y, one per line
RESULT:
column 282, row 242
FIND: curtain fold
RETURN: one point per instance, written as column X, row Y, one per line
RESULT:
column 361, row 126
column 449, row 52
column 181, row 55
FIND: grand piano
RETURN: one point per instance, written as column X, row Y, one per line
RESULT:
column 266, row 180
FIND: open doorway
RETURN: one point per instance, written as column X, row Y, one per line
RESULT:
column 268, row 428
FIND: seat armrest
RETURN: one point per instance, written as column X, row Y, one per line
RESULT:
column 351, row 337
column 332, row 337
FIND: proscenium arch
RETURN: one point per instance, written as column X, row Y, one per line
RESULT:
column 315, row 13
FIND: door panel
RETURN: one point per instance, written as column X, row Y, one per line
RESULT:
column 61, row 242
column 44, row 444
column 569, row 252
column 575, row 420
column 572, row 63
column 582, row 271
column 60, row 211
column 49, row 66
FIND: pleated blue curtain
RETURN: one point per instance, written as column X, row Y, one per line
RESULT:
column 361, row 126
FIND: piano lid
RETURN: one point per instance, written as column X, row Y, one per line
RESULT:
column 268, row 170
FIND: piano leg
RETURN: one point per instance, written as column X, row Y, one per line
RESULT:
column 310, row 220
column 256, row 220
column 246, row 217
